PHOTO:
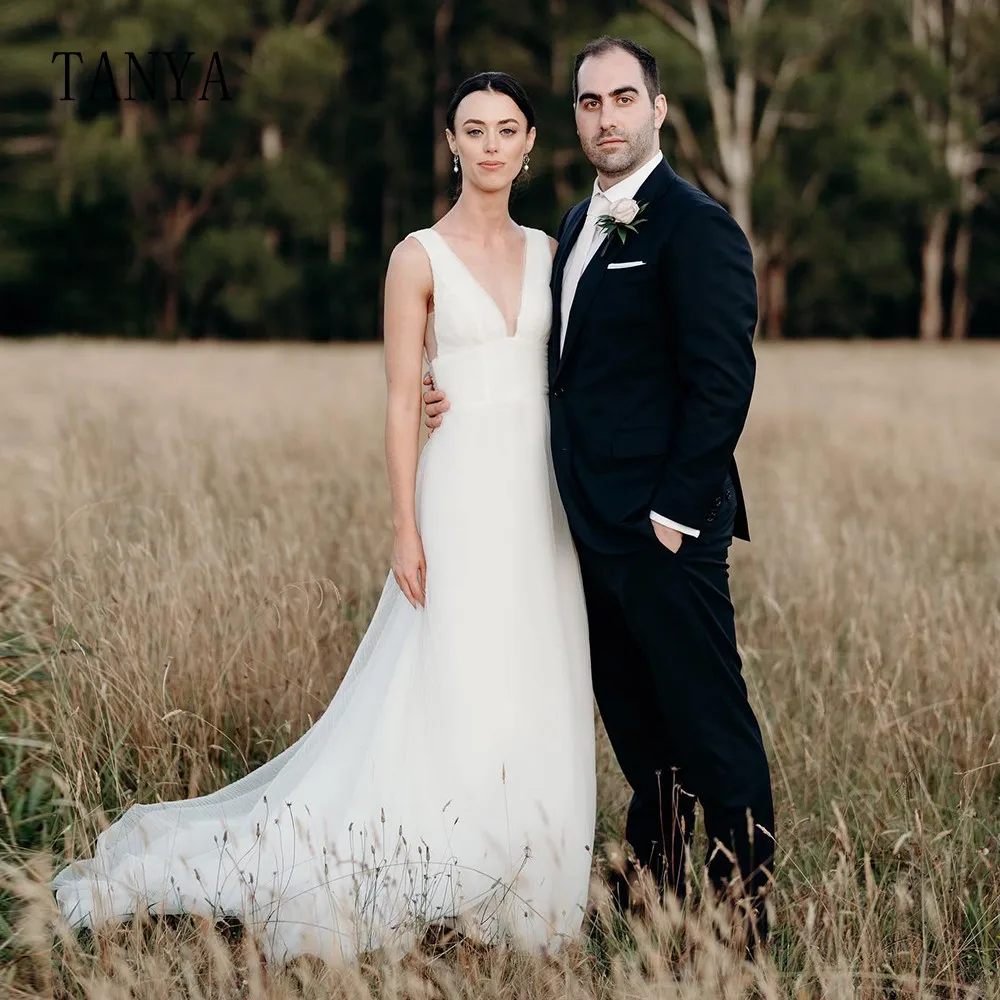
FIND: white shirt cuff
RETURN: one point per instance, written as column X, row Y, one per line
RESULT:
column 682, row 528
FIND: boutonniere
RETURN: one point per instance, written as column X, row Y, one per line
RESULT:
column 624, row 216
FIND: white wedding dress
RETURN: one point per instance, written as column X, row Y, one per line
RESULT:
column 452, row 778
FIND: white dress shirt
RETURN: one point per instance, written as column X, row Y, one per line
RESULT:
column 582, row 252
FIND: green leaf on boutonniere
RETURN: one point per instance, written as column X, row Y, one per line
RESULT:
column 607, row 224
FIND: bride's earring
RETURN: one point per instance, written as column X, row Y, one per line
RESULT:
column 525, row 162
column 456, row 163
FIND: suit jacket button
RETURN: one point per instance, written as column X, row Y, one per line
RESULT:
column 558, row 391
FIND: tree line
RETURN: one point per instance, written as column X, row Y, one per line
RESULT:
column 205, row 168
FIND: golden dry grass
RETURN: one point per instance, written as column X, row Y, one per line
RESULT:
column 191, row 542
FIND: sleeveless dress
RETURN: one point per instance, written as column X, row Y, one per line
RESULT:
column 451, row 780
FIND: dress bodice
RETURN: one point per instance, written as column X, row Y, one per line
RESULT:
column 474, row 358
column 466, row 315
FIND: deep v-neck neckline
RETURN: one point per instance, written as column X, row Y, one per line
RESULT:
column 524, row 280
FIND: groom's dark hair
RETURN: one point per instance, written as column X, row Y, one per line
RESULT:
column 650, row 72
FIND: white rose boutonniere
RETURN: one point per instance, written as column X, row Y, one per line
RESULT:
column 623, row 217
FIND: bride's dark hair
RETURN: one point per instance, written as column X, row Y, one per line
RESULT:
column 502, row 83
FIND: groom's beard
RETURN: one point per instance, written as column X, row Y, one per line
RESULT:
column 618, row 160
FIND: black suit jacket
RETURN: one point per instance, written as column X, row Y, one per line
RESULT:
column 650, row 393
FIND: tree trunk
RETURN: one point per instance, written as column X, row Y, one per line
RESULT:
column 166, row 327
column 130, row 122
column 271, row 142
column 932, row 270
column 740, row 204
column 175, row 226
column 960, row 267
column 777, row 297
column 561, row 158
column 443, row 171
column 337, row 242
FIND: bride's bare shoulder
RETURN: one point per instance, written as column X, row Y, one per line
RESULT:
column 410, row 257
column 540, row 235
column 409, row 272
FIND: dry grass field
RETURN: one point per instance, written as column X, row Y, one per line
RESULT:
column 192, row 539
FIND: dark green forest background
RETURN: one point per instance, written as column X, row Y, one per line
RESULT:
column 856, row 141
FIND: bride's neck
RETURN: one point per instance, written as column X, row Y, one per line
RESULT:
column 485, row 214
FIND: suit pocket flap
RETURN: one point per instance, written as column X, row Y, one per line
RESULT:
column 637, row 442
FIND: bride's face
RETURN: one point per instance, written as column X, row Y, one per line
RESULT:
column 491, row 139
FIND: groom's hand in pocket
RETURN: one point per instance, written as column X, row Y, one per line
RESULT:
column 435, row 404
column 671, row 538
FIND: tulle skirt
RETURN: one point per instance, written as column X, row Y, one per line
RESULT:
column 452, row 777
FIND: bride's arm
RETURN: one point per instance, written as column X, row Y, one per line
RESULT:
column 408, row 288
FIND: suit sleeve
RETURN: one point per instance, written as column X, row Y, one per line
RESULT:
column 712, row 304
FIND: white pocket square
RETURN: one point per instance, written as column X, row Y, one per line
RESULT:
column 626, row 263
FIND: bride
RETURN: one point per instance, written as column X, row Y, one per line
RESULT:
column 451, row 780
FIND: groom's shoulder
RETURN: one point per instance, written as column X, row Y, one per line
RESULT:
column 688, row 197
column 688, row 206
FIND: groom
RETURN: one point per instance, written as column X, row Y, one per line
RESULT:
column 651, row 370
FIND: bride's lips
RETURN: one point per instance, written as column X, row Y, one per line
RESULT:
column 491, row 164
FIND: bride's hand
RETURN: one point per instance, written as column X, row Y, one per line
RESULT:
column 409, row 566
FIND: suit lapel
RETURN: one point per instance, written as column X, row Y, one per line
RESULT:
column 573, row 227
column 654, row 187
column 586, row 289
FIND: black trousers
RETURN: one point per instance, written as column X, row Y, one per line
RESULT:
column 668, row 681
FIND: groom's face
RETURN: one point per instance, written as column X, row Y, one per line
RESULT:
column 616, row 117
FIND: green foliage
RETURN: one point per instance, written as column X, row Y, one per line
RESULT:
column 293, row 74
column 241, row 266
column 304, row 192
column 276, row 210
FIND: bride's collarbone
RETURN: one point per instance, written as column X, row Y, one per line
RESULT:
column 497, row 267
